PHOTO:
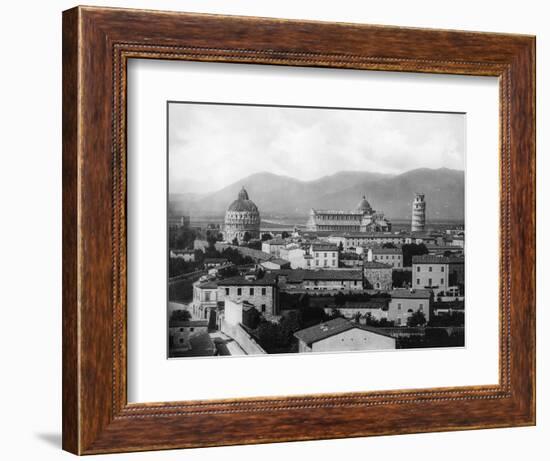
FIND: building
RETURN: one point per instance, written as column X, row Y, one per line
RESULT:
column 327, row 279
column 181, row 332
column 186, row 255
column 236, row 313
column 324, row 255
column 458, row 240
column 377, row 275
column 438, row 273
column 273, row 247
column 449, row 307
column 262, row 293
column 209, row 263
column 242, row 219
column 276, row 264
column 352, row 240
column 205, row 299
column 342, row 335
column 362, row 219
column 375, row 308
column 177, row 222
column 391, row 256
column 444, row 250
column 406, row 302
column 300, row 259
column 418, row 222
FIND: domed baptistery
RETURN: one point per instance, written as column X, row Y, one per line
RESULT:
column 242, row 217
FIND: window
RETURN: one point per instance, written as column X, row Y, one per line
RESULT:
column 264, row 291
column 181, row 330
column 355, row 282
column 207, row 296
column 239, row 291
column 418, row 281
column 421, row 306
column 430, row 269
column 191, row 329
column 442, row 268
column 316, row 262
column 325, row 255
column 442, row 282
column 398, row 306
column 263, row 307
column 430, row 282
column 417, row 268
column 181, row 340
column 252, row 292
column 398, row 321
column 227, row 292
column 326, row 263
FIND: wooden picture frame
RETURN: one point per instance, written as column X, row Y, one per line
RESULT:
column 97, row 43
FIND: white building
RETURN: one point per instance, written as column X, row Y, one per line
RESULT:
column 324, row 255
column 273, row 247
column 437, row 273
column 405, row 303
column 186, row 255
column 298, row 257
column 342, row 335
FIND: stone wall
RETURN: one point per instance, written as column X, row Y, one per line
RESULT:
column 239, row 334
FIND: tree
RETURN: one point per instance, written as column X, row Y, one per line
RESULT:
column 313, row 316
column 340, row 299
column 247, row 237
column 181, row 238
column 417, row 319
column 235, row 241
column 180, row 314
column 410, row 250
column 266, row 236
column 285, row 235
column 340, row 247
column 211, row 238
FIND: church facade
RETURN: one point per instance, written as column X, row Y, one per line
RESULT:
column 362, row 219
column 242, row 219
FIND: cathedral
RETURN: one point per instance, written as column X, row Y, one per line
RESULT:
column 362, row 219
column 242, row 217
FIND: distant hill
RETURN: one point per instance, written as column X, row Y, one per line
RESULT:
column 391, row 194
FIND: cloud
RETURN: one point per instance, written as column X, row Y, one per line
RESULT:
column 211, row 146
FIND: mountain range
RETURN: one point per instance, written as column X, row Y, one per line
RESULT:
column 277, row 195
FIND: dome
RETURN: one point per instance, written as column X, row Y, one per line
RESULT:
column 243, row 203
column 363, row 205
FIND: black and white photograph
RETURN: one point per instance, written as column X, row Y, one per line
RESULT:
column 313, row 229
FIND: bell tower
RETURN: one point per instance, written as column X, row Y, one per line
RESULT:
column 418, row 213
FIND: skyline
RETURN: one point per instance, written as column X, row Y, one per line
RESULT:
column 202, row 137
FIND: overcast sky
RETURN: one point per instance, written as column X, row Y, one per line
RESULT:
column 212, row 146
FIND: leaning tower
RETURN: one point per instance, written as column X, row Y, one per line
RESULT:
column 418, row 213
